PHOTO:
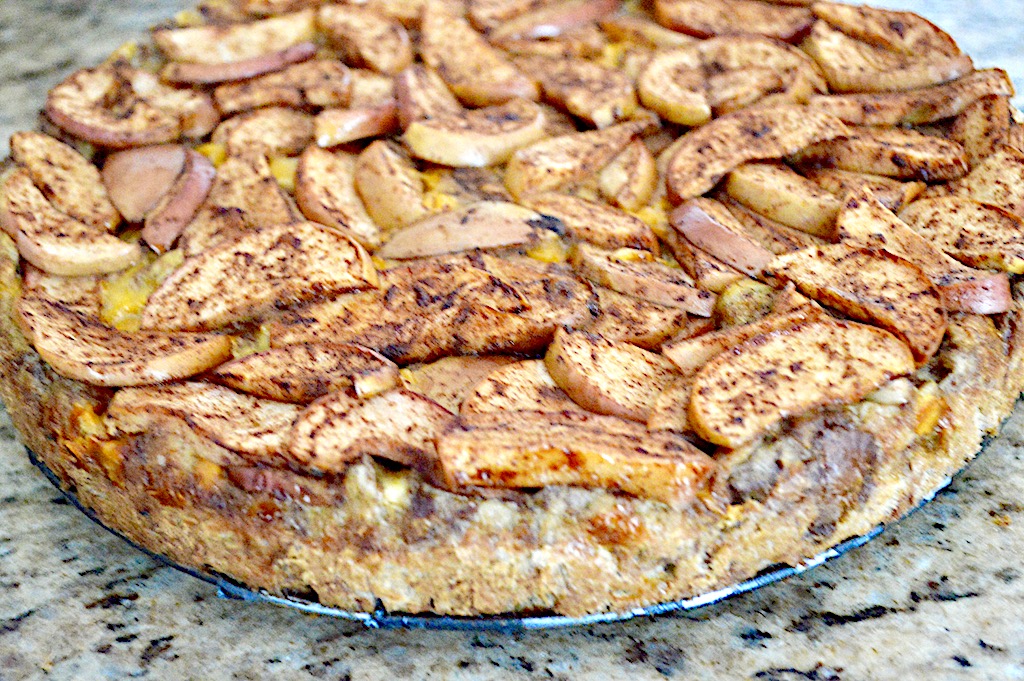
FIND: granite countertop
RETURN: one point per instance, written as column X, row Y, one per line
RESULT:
column 941, row 594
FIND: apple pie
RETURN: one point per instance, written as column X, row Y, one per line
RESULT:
column 513, row 306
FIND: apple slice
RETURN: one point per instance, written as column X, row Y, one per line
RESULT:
column 904, row 32
column 998, row 180
column 629, row 179
column 892, row 152
column 556, row 162
column 670, row 409
column 389, row 185
column 79, row 347
column 711, row 227
column 647, row 280
column 365, row 38
column 871, row 285
column 240, row 278
column 476, row 138
column 778, row 193
column 77, row 294
column 594, row 222
column 136, row 179
column 486, row 15
column 315, row 83
column 627, row 319
column 171, row 214
column 704, row 155
column 302, row 373
column 707, row 271
column 864, row 221
column 606, row 377
column 226, row 43
column 982, row 126
column 273, row 131
column 406, row 12
column 55, row 242
column 552, row 19
column 672, row 83
column 478, row 74
column 520, row 386
column 193, row 73
column 974, row 233
column 483, row 225
column 637, row 29
column 597, row 94
column 892, row 193
column 422, row 94
column 540, row 449
column 69, row 181
column 326, row 191
column 742, row 394
column 450, row 380
column 242, row 423
column 775, row 236
column 707, row 18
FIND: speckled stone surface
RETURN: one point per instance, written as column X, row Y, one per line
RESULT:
column 940, row 596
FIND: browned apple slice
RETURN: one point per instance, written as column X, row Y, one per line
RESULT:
column 707, row 271
column 478, row 137
column 595, row 93
column 916, row 106
column 365, row 38
column 778, row 193
column 705, row 154
column 904, row 32
column 389, row 185
column 333, row 127
column 226, row 43
column 136, row 179
column 775, row 236
column 974, row 233
column 193, row 73
column 273, row 131
column 77, row 294
column 629, row 180
column 486, row 15
column 539, row 449
column 315, row 83
column 581, row 42
column 450, row 380
column 326, row 191
column 422, row 94
column 406, row 12
column 637, row 29
column 594, row 222
column 892, row 152
column 982, row 126
column 483, row 225
column 80, row 347
column 706, row 18
column 371, row 90
column 550, row 20
column 642, row 279
column 302, row 373
column 742, row 394
column 520, row 386
column 337, row 430
column 892, row 193
column 605, row 377
column 171, row 214
column 711, row 227
column 242, row 423
column 670, row 409
column 240, row 278
column 642, row 323
column 871, row 285
column 672, row 83
column 553, row 163
column 55, row 242
column 865, row 221
column 478, row 74
column 998, row 180
column 69, row 181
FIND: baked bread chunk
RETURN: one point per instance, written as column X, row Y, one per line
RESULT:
column 513, row 308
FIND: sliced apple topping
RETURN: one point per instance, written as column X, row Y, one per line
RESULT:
column 334, row 127
column 594, row 222
column 775, row 236
column 707, row 271
column 337, row 430
column 365, row 38
column 450, row 380
column 642, row 323
column 539, row 449
column 80, row 347
column 242, row 423
column 595, row 93
column 672, row 83
column 240, row 278
column 166, row 220
column 976, row 234
column 486, row 15
column 520, row 386
column 303, row 373
column 642, row 31
column 892, row 193
column 871, row 285
column 865, row 221
column 742, row 394
column 781, row 194
column 389, row 185
column 422, row 94
column 319, row 82
column 630, row 179
column 904, row 32
column 998, row 180
column 273, row 131
column 406, row 12
column 704, row 155
column 483, row 225
column 711, row 227
column 707, row 18
column 191, row 73
column 982, row 126
column 478, row 74
column 325, row 188
column 136, row 179
column 478, row 137
column 552, row 19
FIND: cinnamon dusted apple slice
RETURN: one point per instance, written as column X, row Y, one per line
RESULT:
column 78, row 294
column 892, row 193
column 670, row 409
column 333, row 127
column 80, row 347
column 273, row 131
column 486, row 15
column 540, row 449
column 398, row 425
column 520, row 386
column 892, row 152
column 594, row 222
column 916, row 106
column 54, row 241
column 627, row 319
column 136, row 179
column 170, row 215
column 707, row 271
column 450, row 380
column 775, row 236
column 315, row 83
column 982, row 126
column 707, row 18
column 851, row 65
column 326, row 191
column 742, row 394
column 371, row 89
column 629, row 180
column 389, row 185
column 238, row 422
column 779, row 193
column 630, row 274
column 302, row 373
column 672, row 83
column 476, row 138
column 595, row 93
column 865, row 221
column 483, row 225
column 871, row 285
column 406, row 12
column 606, row 377
column 637, row 29
column 704, row 155
column 69, row 181
column 192, row 73
column 553, row 163
column 553, row 19
column 478, row 74
column 904, row 32
column 240, row 278
column 422, row 94
column 998, row 180
column 711, row 227
column 365, row 38
column 976, row 234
